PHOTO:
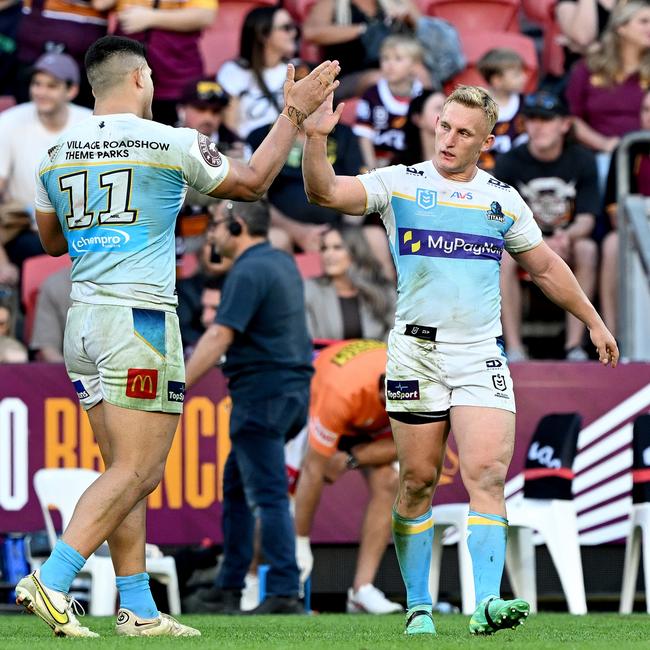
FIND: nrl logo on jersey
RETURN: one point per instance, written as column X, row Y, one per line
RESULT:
column 495, row 213
column 426, row 199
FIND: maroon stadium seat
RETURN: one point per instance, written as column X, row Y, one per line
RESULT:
column 464, row 15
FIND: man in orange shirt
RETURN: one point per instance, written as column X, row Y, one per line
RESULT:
column 348, row 429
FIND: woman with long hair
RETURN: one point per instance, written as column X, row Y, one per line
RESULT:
column 605, row 89
column 353, row 298
column 255, row 80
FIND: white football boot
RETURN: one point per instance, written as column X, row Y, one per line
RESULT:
column 57, row 609
column 128, row 624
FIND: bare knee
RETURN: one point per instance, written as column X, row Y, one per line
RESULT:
column 585, row 253
column 142, row 479
column 486, row 480
column 384, row 482
column 417, row 485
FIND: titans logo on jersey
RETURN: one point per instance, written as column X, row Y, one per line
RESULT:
column 447, row 239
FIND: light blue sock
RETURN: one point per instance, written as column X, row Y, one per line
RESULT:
column 486, row 540
column 135, row 595
column 413, row 540
column 61, row 568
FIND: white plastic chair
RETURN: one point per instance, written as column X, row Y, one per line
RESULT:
column 638, row 540
column 62, row 488
column 444, row 517
column 555, row 520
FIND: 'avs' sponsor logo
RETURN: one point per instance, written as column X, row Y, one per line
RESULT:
column 544, row 456
column 494, row 182
column 175, row 391
column 495, row 213
column 403, row 389
column 82, row 393
column 463, row 196
column 434, row 243
column 426, row 199
column 99, row 239
column 414, row 172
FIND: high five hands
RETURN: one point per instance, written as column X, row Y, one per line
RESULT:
column 302, row 98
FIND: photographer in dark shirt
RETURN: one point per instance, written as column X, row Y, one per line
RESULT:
column 261, row 328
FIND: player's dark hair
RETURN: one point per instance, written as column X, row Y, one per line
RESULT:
column 412, row 153
column 255, row 215
column 106, row 50
column 497, row 61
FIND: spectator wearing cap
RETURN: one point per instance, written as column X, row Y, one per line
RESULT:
column 557, row 178
column 27, row 131
column 171, row 32
column 69, row 26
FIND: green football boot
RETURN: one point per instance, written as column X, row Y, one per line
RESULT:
column 494, row 614
column 419, row 620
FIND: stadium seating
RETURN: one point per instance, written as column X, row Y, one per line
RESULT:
column 61, row 488
column 220, row 41
column 638, row 539
column 542, row 12
column 476, row 44
column 475, row 15
column 6, row 101
column 309, row 264
column 35, row 270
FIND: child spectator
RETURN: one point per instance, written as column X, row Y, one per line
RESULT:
column 505, row 74
column 381, row 113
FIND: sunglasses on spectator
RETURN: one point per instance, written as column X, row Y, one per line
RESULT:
column 544, row 101
column 287, row 27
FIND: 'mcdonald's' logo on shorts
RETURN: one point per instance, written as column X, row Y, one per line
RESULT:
column 403, row 389
column 142, row 383
column 457, row 245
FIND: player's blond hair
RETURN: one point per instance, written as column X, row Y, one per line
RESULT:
column 476, row 97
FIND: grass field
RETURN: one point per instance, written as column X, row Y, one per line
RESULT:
column 361, row 632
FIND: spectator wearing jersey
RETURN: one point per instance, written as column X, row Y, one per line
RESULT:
column 605, row 90
column 353, row 298
column 419, row 130
column 27, row 131
column 348, row 429
column 350, row 32
column 505, row 73
column 381, row 112
column 557, row 178
column 55, row 26
column 639, row 166
column 255, row 80
column 171, row 33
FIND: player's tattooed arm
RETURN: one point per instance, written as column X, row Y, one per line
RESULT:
column 295, row 115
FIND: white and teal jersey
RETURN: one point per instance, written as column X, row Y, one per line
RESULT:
column 447, row 238
column 116, row 184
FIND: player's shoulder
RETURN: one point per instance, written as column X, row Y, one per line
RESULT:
column 505, row 194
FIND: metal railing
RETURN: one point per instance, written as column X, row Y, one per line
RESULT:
column 634, row 257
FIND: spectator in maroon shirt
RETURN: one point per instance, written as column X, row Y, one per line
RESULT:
column 606, row 88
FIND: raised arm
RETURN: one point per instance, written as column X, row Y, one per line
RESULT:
column 323, row 187
column 249, row 181
column 578, row 21
column 551, row 274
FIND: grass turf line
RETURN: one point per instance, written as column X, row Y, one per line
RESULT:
column 354, row 632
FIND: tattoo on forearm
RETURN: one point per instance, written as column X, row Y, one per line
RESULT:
column 296, row 116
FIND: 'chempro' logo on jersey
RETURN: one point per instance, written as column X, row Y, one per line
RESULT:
column 175, row 391
column 102, row 239
column 434, row 243
column 82, row 393
column 142, row 383
column 403, row 389
column 495, row 213
column 426, row 199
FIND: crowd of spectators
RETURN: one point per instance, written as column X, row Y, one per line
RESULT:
column 554, row 145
